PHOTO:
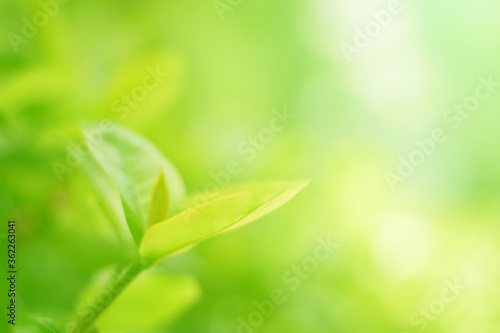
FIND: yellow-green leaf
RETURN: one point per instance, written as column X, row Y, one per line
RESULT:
column 133, row 164
column 215, row 216
column 160, row 199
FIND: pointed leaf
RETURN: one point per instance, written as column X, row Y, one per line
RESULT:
column 215, row 216
column 160, row 199
column 133, row 164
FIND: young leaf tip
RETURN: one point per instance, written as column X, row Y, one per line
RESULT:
column 159, row 202
column 215, row 216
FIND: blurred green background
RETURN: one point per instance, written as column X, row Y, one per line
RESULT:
column 230, row 67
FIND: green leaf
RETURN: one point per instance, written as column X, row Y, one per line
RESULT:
column 215, row 216
column 133, row 164
column 151, row 300
column 107, row 196
column 160, row 199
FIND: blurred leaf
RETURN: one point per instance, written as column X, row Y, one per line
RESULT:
column 46, row 324
column 215, row 216
column 160, row 198
column 153, row 299
column 107, row 195
column 134, row 163
column 35, row 84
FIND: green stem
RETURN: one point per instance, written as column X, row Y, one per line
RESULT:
column 87, row 316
